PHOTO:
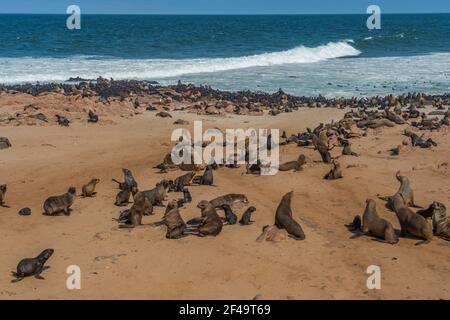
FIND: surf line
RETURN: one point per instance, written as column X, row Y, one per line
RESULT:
column 242, row 146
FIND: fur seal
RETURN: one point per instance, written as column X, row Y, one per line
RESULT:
column 207, row 179
column 93, row 117
column 247, row 216
column 32, row 266
column 210, row 225
column 293, row 165
column 356, row 225
column 378, row 227
column 62, row 121
column 88, row 190
column 335, row 173
column 129, row 181
column 163, row 114
column 284, row 219
column 60, row 203
column 272, row 233
column 123, row 198
column 347, row 151
column 187, row 196
column 230, row 216
column 182, row 181
column 158, row 194
column 4, row 143
column 323, row 148
column 410, row 222
column 3, row 189
column 25, row 212
column 441, row 224
column 173, row 221
column 229, row 199
column 140, row 207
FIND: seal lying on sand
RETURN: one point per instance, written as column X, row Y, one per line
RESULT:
column 60, row 203
column 3, row 189
column 293, row 165
column 88, row 190
column 32, row 266
column 284, row 219
column 441, row 224
column 373, row 225
column 229, row 199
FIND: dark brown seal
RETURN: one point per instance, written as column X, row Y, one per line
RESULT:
column 173, row 221
column 293, row 165
column 335, row 173
column 284, row 219
column 32, row 266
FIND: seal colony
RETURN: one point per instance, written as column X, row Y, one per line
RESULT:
column 222, row 214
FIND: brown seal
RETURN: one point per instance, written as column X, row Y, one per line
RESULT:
column 3, row 189
column 375, row 226
column 129, row 182
column 158, row 194
column 88, row 190
column 139, row 208
column 335, row 173
column 210, row 225
column 284, row 219
column 229, row 199
column 182, row 181
column 62, row 203
column 293, row 165
column 173, row 221
column 322, row 147
column 438, row 214
column 123, row 197
column 411, row 222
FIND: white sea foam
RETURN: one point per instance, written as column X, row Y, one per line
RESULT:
column 29, row 69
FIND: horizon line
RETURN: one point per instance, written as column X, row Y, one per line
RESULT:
column 220, row 14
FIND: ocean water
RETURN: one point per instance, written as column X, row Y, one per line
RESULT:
column 332, row 55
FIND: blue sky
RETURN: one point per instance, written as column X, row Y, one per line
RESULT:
column 223, row 6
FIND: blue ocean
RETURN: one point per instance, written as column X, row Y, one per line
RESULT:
column 331, row 55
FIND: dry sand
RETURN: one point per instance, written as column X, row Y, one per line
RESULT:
column 143, row 264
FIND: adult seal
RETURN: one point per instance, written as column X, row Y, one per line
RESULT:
column 293, row 165
column 88, row 190
column 284, row 219
column 173, row 221
column 375, row 226
column 211, row 224
column 229, row 199
column 3, row 189
column 32, row 266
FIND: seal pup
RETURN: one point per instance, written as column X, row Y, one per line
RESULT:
column 247, row 216
column 139, row 208
column 335, row 173
column 3, row 189
column 347, row 151
column 88, row 190
column 438, row 214
column 272, row 233
column 32, row 266
column 356, row 224
column 211, row 224
column 60, row 203
column 375, row 226
column 25, row 212
column 230, row 199
column 230, row 216
column 173, row 221
column 182, row 181
column 123, row 197
column 411, row 222
column 187, row 195
column 284, row 219
column 62, row 121
column 93, row 117
column 293, row 165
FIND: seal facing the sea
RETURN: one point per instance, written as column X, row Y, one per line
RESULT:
column 60, row 203
column 32, row 266
column 284, row 219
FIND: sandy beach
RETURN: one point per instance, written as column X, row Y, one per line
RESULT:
column 141, row 263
